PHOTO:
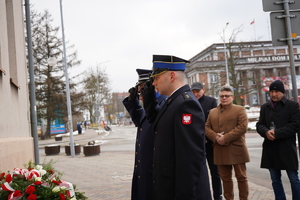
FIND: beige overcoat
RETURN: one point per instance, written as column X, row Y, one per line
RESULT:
column 233, row 121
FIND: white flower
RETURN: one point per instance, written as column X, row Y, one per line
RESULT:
column 56, row 189
column 38, row 167
column 43, row 172
column 73, row 198
column 63, row 188
column 38, row 178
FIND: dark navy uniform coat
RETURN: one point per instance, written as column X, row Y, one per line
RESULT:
column 179, row 169
column 142, row 174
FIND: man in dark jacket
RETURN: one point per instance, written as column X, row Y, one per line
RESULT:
column 141, row 188
column 207, row 104
column 179, row 163
column 278, row 123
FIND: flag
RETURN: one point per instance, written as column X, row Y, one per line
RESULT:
column 252, row 22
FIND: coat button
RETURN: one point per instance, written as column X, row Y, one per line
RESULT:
column 220, row 126
column 154, row 149
column 136, row 153
column 135, row 165
column 139, row 161
column 139, row 176
column 137, row 139
column 155, row 132
column 153, row 182
column 153, row 165
column 141, row 129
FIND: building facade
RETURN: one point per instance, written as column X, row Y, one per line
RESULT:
column 252, row 66
column 16, row 143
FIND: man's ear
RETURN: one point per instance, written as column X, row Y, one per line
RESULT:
column 173, row 75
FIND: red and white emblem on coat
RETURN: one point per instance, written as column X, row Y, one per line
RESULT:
column 186, row 119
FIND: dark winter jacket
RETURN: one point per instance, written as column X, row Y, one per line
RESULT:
column 282, row 152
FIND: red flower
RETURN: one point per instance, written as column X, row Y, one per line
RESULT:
column 32, row 197
column 56, row 182
column 2, row 175
column 8, row 178
column 30, row 189
column 17, row 193
column 37, row 183
column 62, row 196
column 68, row 193
column 51, row 171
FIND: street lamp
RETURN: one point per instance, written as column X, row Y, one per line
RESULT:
column 225, row 55
column 52, row 61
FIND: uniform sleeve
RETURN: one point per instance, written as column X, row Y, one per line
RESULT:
column 135, row 110
column 150, row 105
column 189, row 147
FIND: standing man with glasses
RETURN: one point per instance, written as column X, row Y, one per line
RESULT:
column 226, row 127
column 278, row 124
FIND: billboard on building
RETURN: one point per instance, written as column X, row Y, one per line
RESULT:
column 286, row 80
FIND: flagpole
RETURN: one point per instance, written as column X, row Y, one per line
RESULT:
column 253, row 22
column 254, row 32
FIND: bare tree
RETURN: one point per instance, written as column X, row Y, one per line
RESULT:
column 96, row 89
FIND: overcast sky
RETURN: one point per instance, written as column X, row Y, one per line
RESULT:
column 124, row 34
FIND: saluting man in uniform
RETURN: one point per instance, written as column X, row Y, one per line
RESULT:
column 179, row 166
column 141, row 188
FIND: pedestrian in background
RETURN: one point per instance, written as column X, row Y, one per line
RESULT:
column 207, row 104
column 179, row 163
column 226, row 125
column 278, row 124
column 142, row 181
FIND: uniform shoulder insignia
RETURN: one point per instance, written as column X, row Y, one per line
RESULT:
column 186, row 95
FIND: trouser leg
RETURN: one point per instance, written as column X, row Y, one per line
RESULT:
column 226, row 176
column 215, row 178
column 241, row 176
column 277, row 184
column 295, row 183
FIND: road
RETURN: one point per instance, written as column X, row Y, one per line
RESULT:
column 254, row 172
column 122, row 139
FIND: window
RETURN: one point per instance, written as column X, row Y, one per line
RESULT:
column 240, row 78
column 12, row 51
column 253, row 77
column 213, row 78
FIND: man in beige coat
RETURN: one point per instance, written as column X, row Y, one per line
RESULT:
column 226, row 126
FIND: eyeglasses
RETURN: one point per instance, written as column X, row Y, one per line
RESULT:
column 226, row 96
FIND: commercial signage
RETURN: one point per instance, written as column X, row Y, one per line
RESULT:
column 56, row 129
column 271, row 58
column 286, row 80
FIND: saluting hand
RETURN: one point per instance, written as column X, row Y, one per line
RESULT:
column 148, row 87
column 132, row 93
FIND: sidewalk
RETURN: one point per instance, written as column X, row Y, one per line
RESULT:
column 108, row 175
